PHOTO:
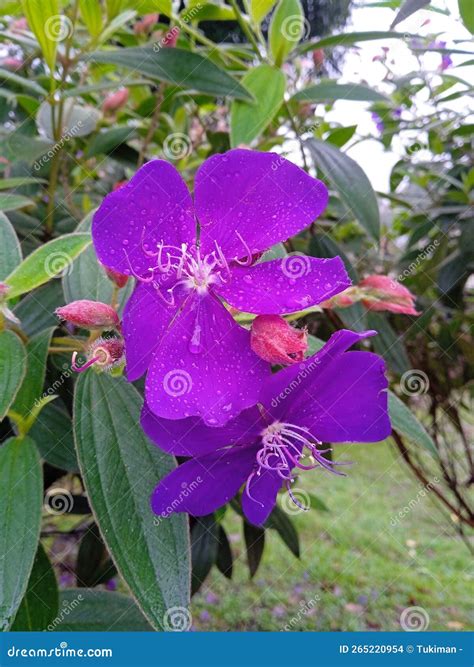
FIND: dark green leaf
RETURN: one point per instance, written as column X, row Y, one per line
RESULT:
column 350, row 181
column 52, row 432
column 92, row 610
column 404, row 421
column 36, row 310
column 287, row 27
column 177, row 66
column 12, row 369
column 224, row 560
column 10, row 251
column 316, row 503
column 31, row 390
column 11, row 202
column 121, row 468
column 39, row 607
column 279, row 521
column 107, row 141
column 94, row 566
column 204, row 547
column 341, row 135
column 21, row 497
column 408, row 8
column 330, row 91
column 388, row 343
column 466, row 10
column 349, row 38
column 255, row 544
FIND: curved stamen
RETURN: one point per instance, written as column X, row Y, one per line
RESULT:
column 134, row 274
column 248, row 260
column 295, row 499
column 84, row 367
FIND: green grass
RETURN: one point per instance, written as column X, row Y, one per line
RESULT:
column 357, row 570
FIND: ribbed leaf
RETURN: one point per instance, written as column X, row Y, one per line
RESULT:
column 120, row 468
column 404, row 421
column 21, row 497
column 12, row 369
column 330, row 91
column 10, row 251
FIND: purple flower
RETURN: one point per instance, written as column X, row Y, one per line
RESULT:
column 379, row 124
column 187, row 256
column 446, row 60
column 333, row 396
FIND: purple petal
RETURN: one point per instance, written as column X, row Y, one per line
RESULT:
column 145, row 321
column 205, row 366
column 154, row 206
column 204, row 484
column 260, row 196
column 285, row 285
column 348, row 400
column 191, row 436
column 283, row 388
column 263, row 490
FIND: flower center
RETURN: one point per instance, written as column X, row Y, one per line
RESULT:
column 286, row 446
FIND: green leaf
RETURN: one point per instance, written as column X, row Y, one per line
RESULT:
column 22, row 81
column 330, row 91
column 46, row 262
column 404, row 421
column 317, row 503
column 36, row 310
column 39, row 607
column 350, row 181
column 10, row 250
column 17, row 182
column 181, row 68
column 106, row 142
column 314, row 344
column 408, row 8
column 121, row 468
column 224, row 559
column 204, row 549
column 248, row 121
column 45, row 21
column 15, row 147
column 12, row 369
column 94, row 566
column 350, row 38
column 86, row 278
column 388, row 343
column 20, row 519
column 31, row 390
column 91, row 13
column 12, row 202
column 78, row 121
column 279, row 521
column 287, row 27
column 341, row 135
column 52, row 432
column 254, row 544
column 92, row 610
column 466, row 10
column 259, row 9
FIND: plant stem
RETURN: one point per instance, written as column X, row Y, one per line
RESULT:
column 242, row 21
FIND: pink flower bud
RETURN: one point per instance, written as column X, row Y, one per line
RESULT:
column 115, row 100
column 89, row 315
column 118, row 185
column 274, row 340
column 342, row 300
column 318, row 58
column 4, row 289
column 384, row 293
column 19, row 25
column 11, row 63
column 171, row 37
column 103, row 353
column 119, row 279
column 145, row 24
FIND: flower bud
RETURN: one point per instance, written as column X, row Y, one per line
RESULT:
column 318, row 58
column 115, row 101
column 274, row 340
column 145, row 24
column 19, row 25
column 383, row 293
column 11, row 63
column 89, row 315
column 119, row 279
column 104, row 354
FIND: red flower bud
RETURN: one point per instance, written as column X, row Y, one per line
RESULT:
column 11, row 63
column 318, row 57
column 383, row 293
column 115, row 100
column 274, row 340
column 119, row 279
column 118, row 185
column 89, row 315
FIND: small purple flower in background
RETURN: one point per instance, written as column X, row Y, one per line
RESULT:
column 446, row 60
column 379, row 124
column 187, row 256
column 333, row 396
